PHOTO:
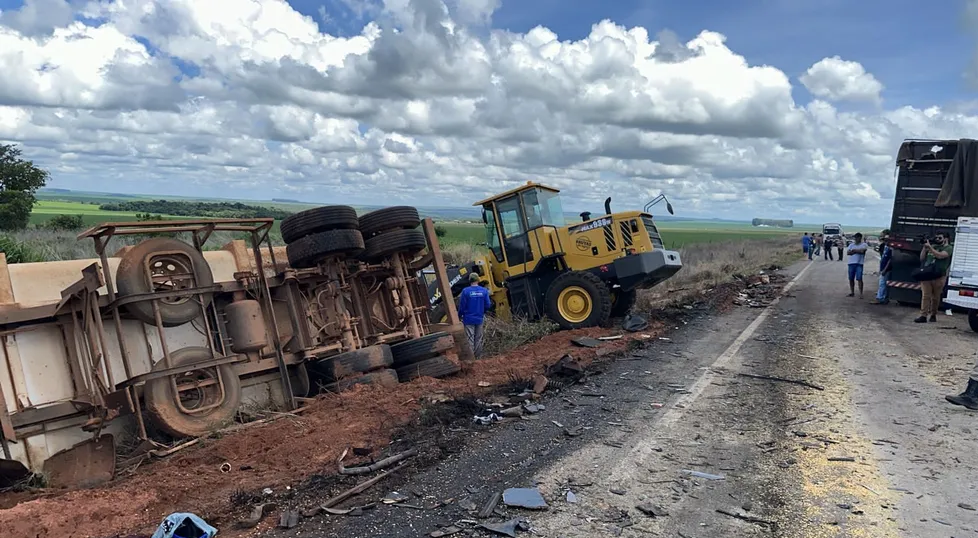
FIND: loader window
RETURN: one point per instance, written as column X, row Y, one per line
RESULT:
column 514, row 231
column 543, row 209
column 492, row 234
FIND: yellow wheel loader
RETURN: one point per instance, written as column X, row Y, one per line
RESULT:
column 579, row 274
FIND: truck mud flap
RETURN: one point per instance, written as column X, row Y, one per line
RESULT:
column 86, row 464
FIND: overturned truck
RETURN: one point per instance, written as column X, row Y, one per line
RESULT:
column 167, row 339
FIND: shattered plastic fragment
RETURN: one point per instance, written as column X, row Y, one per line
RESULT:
column 705, row 476
column 524, row 498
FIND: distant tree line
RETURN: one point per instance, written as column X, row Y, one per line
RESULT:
column 779, row 223
column 214, row 210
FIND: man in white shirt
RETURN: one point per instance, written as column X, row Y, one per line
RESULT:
column 857, row 258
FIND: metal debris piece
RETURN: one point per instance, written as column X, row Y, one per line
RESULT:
column 966, row 506
column 652, row 510
column 571, row 497
column 610, row 338
column 617, row 491
column 533, row 408
column 288, row 519
column 382, row 464
column 512, row 412
column 337, row 511
column 256, row 515
column 634, row 323
column 585, row 341
column 447, row 531
column 394, row 497
column 225, row 467
column 468, row 505
column 267, row 491
column 529, row 498
column 507, row 528
column 490, row 506
column 540, row 384
column 484, row 384
column 705, row 476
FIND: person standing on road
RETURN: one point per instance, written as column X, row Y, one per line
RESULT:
column 857, row 258
column 840, row 245
column 818, row 244
column 938, row 255
column 806, row 245
column 828, row 248
column 886, row 257
column 472, row 306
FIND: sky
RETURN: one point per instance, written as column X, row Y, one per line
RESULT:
column 772, row 109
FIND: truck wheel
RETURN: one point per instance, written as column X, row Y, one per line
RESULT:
column 299, row 380
column 384, row 378
column 622, row 302
column 389, row 218
column 162, row 406
column 438, row 366
column 419, row 349
column 973, row 320
column 392, row 242
column 174, row 265
column 318, row 219
column 577, row 299
column 309, row 250
column 355, row 362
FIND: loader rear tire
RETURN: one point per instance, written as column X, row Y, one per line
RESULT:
column 309, row 250
column 622, row 302
column 164, row 256
column 389, row 218
column 355, row 362
column 319, row 219
column 383, row 378
column 438, row 366
column 577, row 299
column 392, row 242
column 423, row 348
column 162, row 407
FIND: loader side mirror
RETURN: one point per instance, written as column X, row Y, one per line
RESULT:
column 669, row 208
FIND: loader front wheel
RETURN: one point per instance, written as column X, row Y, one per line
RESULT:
column 577, row 299
column 203, row 406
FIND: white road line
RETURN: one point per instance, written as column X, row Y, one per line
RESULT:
column 678, row 408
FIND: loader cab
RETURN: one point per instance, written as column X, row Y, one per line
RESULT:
column 520, row 225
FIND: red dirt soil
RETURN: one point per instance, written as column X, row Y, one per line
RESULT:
column 279, row 453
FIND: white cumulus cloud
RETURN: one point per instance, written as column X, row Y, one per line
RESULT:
column 841, row 80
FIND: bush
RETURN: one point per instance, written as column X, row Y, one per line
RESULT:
column 440, row 231
column 65, row 222
column 18, row 252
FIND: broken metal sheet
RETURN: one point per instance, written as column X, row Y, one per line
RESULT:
column 529, row 498
column 289, row 519
column 447, row 531
column 257, row 513
column 585, row 341
column 634, row 323
column 507, row 528
column 84, row 465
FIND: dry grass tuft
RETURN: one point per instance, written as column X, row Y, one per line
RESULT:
column 502, row 336
column 459, row 253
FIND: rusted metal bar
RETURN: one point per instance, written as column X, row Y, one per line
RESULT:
column 440, row 272
column 266, row 294
column 399, row 261
column 177, row 226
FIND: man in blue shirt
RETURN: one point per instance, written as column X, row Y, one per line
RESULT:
column 472, row 306
column 886, row 257
column 806, row 245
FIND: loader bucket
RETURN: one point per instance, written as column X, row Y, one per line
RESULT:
column 12, row 472
column 86, row 464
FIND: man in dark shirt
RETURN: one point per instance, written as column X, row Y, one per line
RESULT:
column 937, row 253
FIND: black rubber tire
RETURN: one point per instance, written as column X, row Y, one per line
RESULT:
column 392, row 242
column 387, row 219
column 438, row 366
column 622, row 302
column 419, row 349
column 352, row 363
column 596, row 289
column 318, row 219
column 384, row 378
column 300, row 381
column 308, row 251
column 131, row 279
column 163, row 411
column 973, row 320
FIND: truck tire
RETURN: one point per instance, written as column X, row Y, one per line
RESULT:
column 973, row 320
column 622, row 302
column 165, row 256
column 319, row 219
column 438, row 366
column 383, row 378
column 392, row 242
column 299, row 380
column 419, row 349
column 352, row 363
column 389, row 218
column 578, row 299
column 162, row 407
column 309, row 250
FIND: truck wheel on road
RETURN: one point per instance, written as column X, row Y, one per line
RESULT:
column 419, row 349
column 355, row 362
column 174, row 265
column 439, row 366
column 392, row 242
column 319, row 219
column 200, row 389
column 308, row 251
column 973, row 320
column 577, row 299
column 389, row 218
column 384, row 378
column 622, row 302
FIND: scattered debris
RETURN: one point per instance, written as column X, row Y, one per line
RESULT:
column 533, row 408
column 617, row 491
column 382, row 464
column 540, row 384
column 288, row 519
column 652, row 510
column 635, row 323
column 447, row 531
column 705, row 476
column 181, row 524
column 484, row 384
column 490, row 506
column 966, row 506
column 257, row 514
column 507, row 528
column 610, row 338
column 529, row 498
column 783, row 380
column 747, row 518
column 512, row 412
column 225, row 467
column 394, row 498
column 468, row 505
column 360, row 488
column 571, row 497
column 566, row 366
column 842, row 458
column 585, row 341
column 487, row 417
